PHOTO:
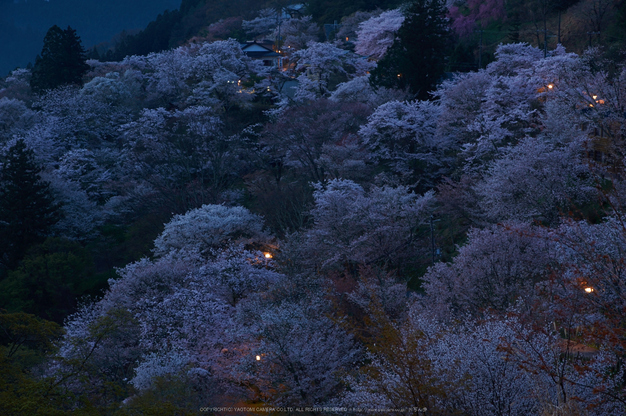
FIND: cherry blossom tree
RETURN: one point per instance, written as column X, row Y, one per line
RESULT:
column 352, row 226
column 117, row 89
column 71, row 119
column 506, row 102
column 323, row 66
column 309, row 138
column 184, row 156
column 296, row 33
column 496, row 267
column 584, row 297
column 346, row 35
column 537, row 181
column 81, row 215
column 360, row 89
column 484, row 380
column 301, row 352
column 461, row 101
column 263, row 24
column 177, row 314
column 89, row 170
column 15, row 117
column 17, row 85
column 205, row 73
column 403, row 136
column 378, row 33
column 209, row 227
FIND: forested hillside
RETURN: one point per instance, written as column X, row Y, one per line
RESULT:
column 353, row 228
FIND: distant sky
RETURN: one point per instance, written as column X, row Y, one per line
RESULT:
column 23, row 23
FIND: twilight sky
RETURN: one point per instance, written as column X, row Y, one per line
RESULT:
column 23, row 24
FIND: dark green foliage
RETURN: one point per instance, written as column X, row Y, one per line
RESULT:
column 22, row 331
column 154, row 38
column 204, row 12
column 417, row 59
column 27, row 208
column 328, row 11
column 24, row 342
column 562, row 5
column 170, row 395
column 48, row 280
column 62, row 60
column 462, row 57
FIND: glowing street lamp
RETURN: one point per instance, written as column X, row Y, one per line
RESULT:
column 267, row 255
column 589, row 289
column 258, row 358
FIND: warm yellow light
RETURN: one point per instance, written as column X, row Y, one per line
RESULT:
column 258, row 358
column 550, row 86
column 346, row 38
column 590, row 105
column 594, row 96
column 600, row 101
column 399, row 75
column 268, row 255
column 589, row 289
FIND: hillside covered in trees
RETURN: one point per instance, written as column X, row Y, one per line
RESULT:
column 352, row 228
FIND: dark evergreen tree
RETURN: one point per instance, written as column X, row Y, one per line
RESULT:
column 27, row 207
column 62, row 60
column 417, row 59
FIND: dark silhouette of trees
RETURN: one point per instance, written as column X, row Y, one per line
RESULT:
column 62, row 60
column 328, row 11
column 155, row 37
column 27, row 207
column 416, row 60
column 49, row 280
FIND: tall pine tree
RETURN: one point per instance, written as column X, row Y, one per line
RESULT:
column 416, row 60
column 27, row 207
column 62, row 60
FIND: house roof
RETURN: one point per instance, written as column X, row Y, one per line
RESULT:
column 257, row 50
